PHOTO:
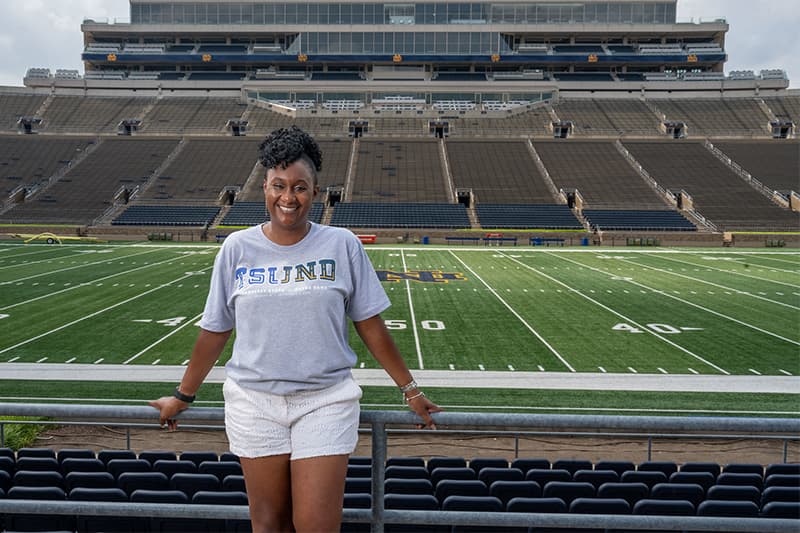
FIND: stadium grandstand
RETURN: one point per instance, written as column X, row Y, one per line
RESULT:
column 533, row 122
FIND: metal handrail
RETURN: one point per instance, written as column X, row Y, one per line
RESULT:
column 378, row 516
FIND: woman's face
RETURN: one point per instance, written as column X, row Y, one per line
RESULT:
column 289, row 194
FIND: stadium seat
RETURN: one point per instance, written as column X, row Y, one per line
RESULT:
column 536, row 505
column 704, row 479
column 728, row 478
column 691, row 492
column 36, row 452
column 130, row 482
column 780, row 494
column 449, row 462
column 359, row 471
column 117, row 467
column 37, row 463
column 778, row 509
column 408, row 486
column 356, row 501
column 221, row 469
column 357, row 485
column 108, row 455
column 595, row 477
column 234, row 483
column 223, row 498
column 7, row 464
column 459, row 487
column 775, row 468
column 5, row 480
column 711, row 468
column 151, row 456
column 33, row 478
column 355, row 460
column 568, row 490
column 413, row 502
column 744, row 468
column 727, row 508
column 600, row 506
column 38, row 522
column 199, row 457
column 168, row 467
column 630, row 492
column 89, row 480
column 529, row 463
column 667, row 467
column 228, row 456
column 452, row 472
column 104, row 523
column 405, row 461
column 482, row 504
column 507, row 490
column 406, row 472
column 7, row 452
column 479, row 463
column 192, row 483
column 74, row 453
column 782, row 480
column 735, row 493
column 167, row 524
column 664, row 507
column 81, row 464
column 543, row 477
column 648, row 478
column 572, row 465
column 491, row 474
column 620, row 467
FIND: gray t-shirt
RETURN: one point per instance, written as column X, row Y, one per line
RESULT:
column 289, row 306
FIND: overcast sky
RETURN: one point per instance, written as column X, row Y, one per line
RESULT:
column 46, row 33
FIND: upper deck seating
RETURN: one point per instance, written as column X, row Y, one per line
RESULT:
column 191, row 115
column 603, row 176
column 773, row 163
column 535, row 121
column 13, row 106
column 723, row 117
column 91, row 114
column 785, row 108
column 399, row 171
column 718, row 193
column 497, row 171
column 609, row 117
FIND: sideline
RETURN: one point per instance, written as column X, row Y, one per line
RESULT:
column 437, row 378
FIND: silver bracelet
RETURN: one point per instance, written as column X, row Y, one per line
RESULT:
column 417, row 395
column 409, row 387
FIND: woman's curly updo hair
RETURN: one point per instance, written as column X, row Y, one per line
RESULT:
column 284, row 146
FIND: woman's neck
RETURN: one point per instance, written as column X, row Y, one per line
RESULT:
column 285, row 237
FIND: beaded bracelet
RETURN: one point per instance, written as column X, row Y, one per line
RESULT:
column 408, row 387
column 417, row 395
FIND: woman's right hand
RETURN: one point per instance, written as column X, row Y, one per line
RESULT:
column 168, row 407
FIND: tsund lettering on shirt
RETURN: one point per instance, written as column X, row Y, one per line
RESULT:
column 322, row 269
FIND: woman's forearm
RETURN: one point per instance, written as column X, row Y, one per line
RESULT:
column 206, row 351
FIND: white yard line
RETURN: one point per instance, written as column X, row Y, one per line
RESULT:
column 723, row 287
column 37, row 252
column 27, row 263
column 707, row 310
column 91, row 315
column 627, row 319
column 742, row 274
column 524, row 322
column 74, row 267
column 89, row 283
column 162, row 339
column 413, row 318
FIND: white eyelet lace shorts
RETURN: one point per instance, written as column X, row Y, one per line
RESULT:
column 305, row 424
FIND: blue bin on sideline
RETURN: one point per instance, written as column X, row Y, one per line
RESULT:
column 585, row 241
column 426, row 239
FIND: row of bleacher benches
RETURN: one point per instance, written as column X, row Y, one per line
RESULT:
column 410, row 215
column 487, row 484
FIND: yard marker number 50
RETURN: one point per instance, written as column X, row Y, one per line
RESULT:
column 664, row 329
column 430, row 325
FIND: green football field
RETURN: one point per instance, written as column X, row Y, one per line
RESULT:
column 582, row 310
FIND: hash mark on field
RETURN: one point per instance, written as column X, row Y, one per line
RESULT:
column 71, row 359
column 662, row 370
column 452, row 366
column 540, row 367
column 98, row 361
column 693, row 371
column 362, row 365
column 185, row 363
column 603, row 370
column 42, row 360
column 782, row 371
column 154, row 363
column 511, row 368
column 12, row 359
column 632, row 370
column 756, row 372
column 481, row 367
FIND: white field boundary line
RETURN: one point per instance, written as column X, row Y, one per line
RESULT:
column 87, row 283
column 31, row 253
column 524, row 322
column 620, row 315
column 413, row 318
column 766, row 280
column 50, row 260
column 162, row 339
column 766, row 257
column 723, row 287
column 74, row 267
column 91, row 315
column 692, row 304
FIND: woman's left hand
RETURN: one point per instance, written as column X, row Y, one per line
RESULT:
column 423, row 407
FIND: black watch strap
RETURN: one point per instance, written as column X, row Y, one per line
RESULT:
column 183, row 397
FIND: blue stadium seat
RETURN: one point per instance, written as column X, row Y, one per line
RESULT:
column 33, row 478
column 479, row 463
column 357, row 485
column 228, row 456
column 648, row 478
column 167, row 524
column 192, row 483
column 7, row 452
column 630, row 492
column 221, row 469
column 782, row 480
column 735, row 493
column 600, row 506
column 108, row 455
column 83, row 494
column 75, row 453
column 744, row 468
column 405, row 461
column 223, row 498
column 169, row 467
column 117, row 467
column 596, row 477
column 544, row 476
column 359, row 470
column 7, row 464
column 449, row 462
column 407, row 472
column 704, row 479
column 483, row 504
column 36, row 452
column 620, row 467
column 80, row 464
column 536, row 505
column 5, row 480
column 356, row 460
column 729, row 478
column 234, row 483
column 198, row 457
column 459, row 487
column 408, row 486
column 130, row 482
column 775, row 468
column 781, row 510
column 151, row 456
column 691, row 492
column 568, row 490
column 89, row 480
column 572, row 465
column 412, row 502
column 356, row 501
column 38, row 522
column 37, row 463
column 700, row 466
column 780, row 494
column 491, row 474
column 451, row 472
column 667, row 467
column 727, row 508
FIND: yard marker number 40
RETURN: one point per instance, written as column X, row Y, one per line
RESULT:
column 664, row 329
